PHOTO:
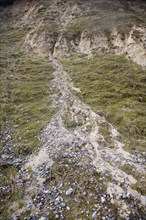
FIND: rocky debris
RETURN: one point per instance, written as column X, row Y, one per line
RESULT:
column 81, row 168
column 64, row 190
column 10, row 164
column 84, row 168
column 5, row 188
column 123, row 196
column 9, row 157
column 44, row 170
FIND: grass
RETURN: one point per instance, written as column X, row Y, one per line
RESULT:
column 25, row 101
column 139, row 176
column 25, row 83
column 25, row 105
column 140, row 187
column 113, row 87
column 25, row 215
column 69, row 121
column 105, row 24
column 88, row 188
column 67, row 172
column 73, row 31
column 98, row 18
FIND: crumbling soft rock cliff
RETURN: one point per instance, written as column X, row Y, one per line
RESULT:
column 60, row 28
column 69, row 34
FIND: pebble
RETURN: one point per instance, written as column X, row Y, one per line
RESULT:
column 122, row 195
column 94, row 214
column 82, row 211
column 32, row 217
column 68, row 208
column 56, row 216
column 42, row 218
column 84, row 193
column 103, row 199
column 46, row 191
column 63, row 205
column 57, row 201
column 69, row 191
column 61, row 184
column 29, row 206
column 87, row 212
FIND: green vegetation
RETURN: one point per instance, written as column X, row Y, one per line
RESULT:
column 90, row 186
column 49, row 26
column 25, row 101
column 25, row 82
column 99, row 18
column 73, row 31
column 69, row 121
column 140, row 187
column 25, row 215
column 25, row 106
column 113, row 87
column 105, row 21
column 139, row 176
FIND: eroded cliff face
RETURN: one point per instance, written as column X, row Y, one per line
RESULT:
column 67, row 27
column 133, row 46
column 60, row 28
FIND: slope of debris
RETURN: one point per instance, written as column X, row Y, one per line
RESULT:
column 75, row 172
